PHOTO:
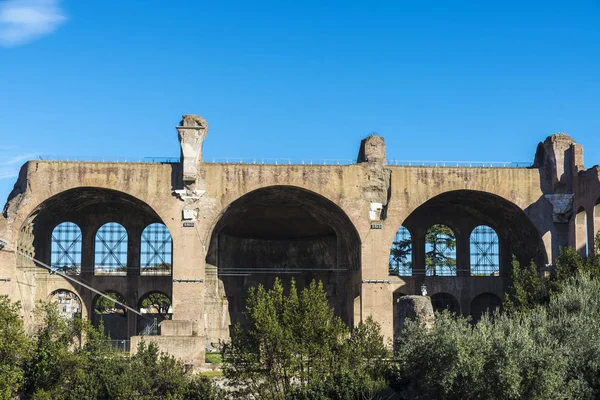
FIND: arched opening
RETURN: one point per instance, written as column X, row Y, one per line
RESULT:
column 581, row 232
column 156, row 250
column 156, row 307
column 112, row 315
column 400, row 263
column 445, row 302
column 68, row 303
column 485, row 302
column 89, row 208
column 65, row 248
column 286, row 232
column 110, row 255
column 596, row 225
column 104, row 217
column 485, row 252
column 440, row 251
column 462, row 210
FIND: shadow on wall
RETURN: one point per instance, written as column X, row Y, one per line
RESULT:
column 285, row 232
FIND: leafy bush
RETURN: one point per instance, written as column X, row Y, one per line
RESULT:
column 547, row 352
column 70, row 359
column 295, row 347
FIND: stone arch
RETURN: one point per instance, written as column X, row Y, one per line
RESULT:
column 463, row 210
column 485, row 302
column 581, row 231
column 440, row 251
column 400, row 262
column 114, row 316
column 69, row 303
column 445, row 301
column 156, row 250
column 286, row 232
column 485, row 251
column 89, row 208
column 65, row 248
column 160, row 308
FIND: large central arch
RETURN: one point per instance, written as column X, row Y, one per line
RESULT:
column 286, row 232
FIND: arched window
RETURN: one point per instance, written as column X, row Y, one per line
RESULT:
column 113, row 315
column 440, row 251
column 109, row 306
column 445, row 301
column 485, row 302
column 156, row 303
column 69, row 304
column 66, row 248
column 157, row 250
column 581, row 232
column 485, row 252
column 111, row 250
column 400, row 263
column 156, row 307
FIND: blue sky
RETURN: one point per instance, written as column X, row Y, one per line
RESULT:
column 468, row 80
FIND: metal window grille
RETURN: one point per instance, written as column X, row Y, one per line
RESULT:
column 485, row 258
column 66, row 248
column 440, row 254
column 401, row 254
column 111, row 250
column 156, row 251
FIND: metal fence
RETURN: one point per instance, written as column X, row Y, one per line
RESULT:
column 163, row 160
column 296, row 161
column 474, row 164
column 120, row 345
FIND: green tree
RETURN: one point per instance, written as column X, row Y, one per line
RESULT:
column 105, row 305
column 15, row 347
column 528, row 288
column 295, row 347
column 158, row 302
column 439, row 239
column 547, row 351
column 399, row 255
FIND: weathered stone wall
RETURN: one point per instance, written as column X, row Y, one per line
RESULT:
column 357, row 208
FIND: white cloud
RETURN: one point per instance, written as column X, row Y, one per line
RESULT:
column 10, row 165
column 22, row 21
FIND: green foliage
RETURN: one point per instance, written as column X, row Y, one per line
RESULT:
column 399, row 254
column 439, row 238
column 549, row 351
column 72, row 360
column 213, row 358
column 295, row 347
column 104, row 305
column 15, row 349
column 528, row 288
column 157, row 301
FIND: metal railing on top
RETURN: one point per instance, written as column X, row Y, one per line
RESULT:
column 474, row 164
column 281, row 161
column 163, row 160
column 296, row 161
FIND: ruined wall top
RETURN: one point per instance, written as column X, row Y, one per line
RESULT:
column 193, row 120
column 192, row 131
column 372, row 150
column 558, row 157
